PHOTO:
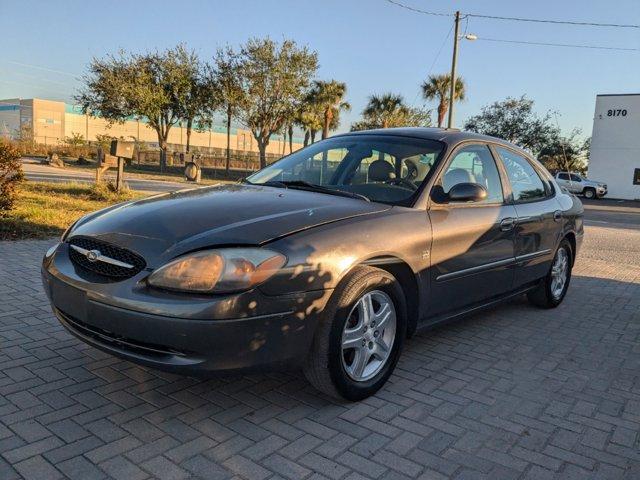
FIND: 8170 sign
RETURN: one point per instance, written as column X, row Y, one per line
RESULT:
column 620, row 112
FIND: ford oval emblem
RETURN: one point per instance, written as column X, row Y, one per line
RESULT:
column 92, row 255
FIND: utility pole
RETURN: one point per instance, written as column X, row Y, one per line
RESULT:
column 454, row 61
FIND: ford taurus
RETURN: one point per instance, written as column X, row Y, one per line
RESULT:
column 326, row 260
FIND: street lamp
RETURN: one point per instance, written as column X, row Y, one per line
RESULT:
column 454, row 61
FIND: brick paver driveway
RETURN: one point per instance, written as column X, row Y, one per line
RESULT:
column 512, row 393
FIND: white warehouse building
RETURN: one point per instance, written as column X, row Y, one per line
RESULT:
column 615, row 145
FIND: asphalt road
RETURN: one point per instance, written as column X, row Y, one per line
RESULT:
column 603, row 212
column 612, row 213
column 44, row 173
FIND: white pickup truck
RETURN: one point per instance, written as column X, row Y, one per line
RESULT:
column 576, row 183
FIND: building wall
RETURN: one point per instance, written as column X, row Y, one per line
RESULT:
column 53, row 121
column 9, row 117
column 47, row 118
column 615, row 144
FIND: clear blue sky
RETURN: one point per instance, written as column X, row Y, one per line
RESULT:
column 370, row 44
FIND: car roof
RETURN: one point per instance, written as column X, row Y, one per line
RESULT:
column 450, row 136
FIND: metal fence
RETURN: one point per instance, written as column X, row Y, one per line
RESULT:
column 212, row 160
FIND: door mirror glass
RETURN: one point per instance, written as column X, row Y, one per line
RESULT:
column 467, row 192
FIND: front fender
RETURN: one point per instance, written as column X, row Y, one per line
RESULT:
column 318, row 259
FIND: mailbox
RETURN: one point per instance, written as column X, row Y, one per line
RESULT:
column 122, row 149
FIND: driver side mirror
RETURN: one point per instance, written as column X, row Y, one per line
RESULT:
column 467, row 192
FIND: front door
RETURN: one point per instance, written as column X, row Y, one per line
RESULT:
column 539, row 223
column 472, row 250
column 563, row 180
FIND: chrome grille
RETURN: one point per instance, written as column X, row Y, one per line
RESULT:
column 126, row 263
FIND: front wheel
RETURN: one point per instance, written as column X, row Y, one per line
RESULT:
column 589, row 193
column 358, row 344
column 552, row 289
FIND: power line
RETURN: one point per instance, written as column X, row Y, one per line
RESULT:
column 557, row 22
column 516, row 19
column 417, row 10
column 38, row 67
column 433, row 64
column 568, row 45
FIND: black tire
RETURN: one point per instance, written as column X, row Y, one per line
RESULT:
column 590, row 193
column 324, row 366
column 543, row 296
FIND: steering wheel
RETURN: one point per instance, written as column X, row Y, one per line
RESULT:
column 402, row 182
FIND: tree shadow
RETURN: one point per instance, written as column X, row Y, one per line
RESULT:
column 13, row 228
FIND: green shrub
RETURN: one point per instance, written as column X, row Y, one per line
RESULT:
column 10, row 174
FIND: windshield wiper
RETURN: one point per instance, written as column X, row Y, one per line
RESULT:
column 303, row 185
column 268, row 183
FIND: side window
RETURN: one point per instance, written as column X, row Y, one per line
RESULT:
column 575, row 178
column 474, row 164
column 526, row 184
column 563, row 176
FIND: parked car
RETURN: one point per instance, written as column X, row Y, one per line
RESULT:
column 576, row 183
column 327, row 259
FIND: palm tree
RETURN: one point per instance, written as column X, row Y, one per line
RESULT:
column 437, row 87
column 309, row 117
column 384, row 109
column 328, row 96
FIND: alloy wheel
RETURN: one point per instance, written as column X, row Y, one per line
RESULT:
column 368, row 335
column 559, row 272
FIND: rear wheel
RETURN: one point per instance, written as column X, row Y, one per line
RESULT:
column 589, row 193
column 553, row 288
column 358, row 344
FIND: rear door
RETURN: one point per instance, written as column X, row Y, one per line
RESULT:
column 576, row 183
column 539, row 218
column 472, row 252
column 563, row 180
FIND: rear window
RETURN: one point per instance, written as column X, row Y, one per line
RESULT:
column 526, row 184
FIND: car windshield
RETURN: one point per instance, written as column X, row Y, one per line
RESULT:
column 380, row 168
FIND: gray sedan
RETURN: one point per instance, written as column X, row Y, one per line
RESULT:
column 326, row 260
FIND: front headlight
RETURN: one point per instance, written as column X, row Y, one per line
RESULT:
column 218, row 271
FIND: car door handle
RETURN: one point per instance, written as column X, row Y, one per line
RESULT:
column 507, row 224
column 557, row 215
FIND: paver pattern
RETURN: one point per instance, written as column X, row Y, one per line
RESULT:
column 513, row 393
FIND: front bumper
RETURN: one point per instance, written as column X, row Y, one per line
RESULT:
column 182, row 333
column 601, row 191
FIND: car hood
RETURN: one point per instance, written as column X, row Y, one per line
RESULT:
column 168, row 225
